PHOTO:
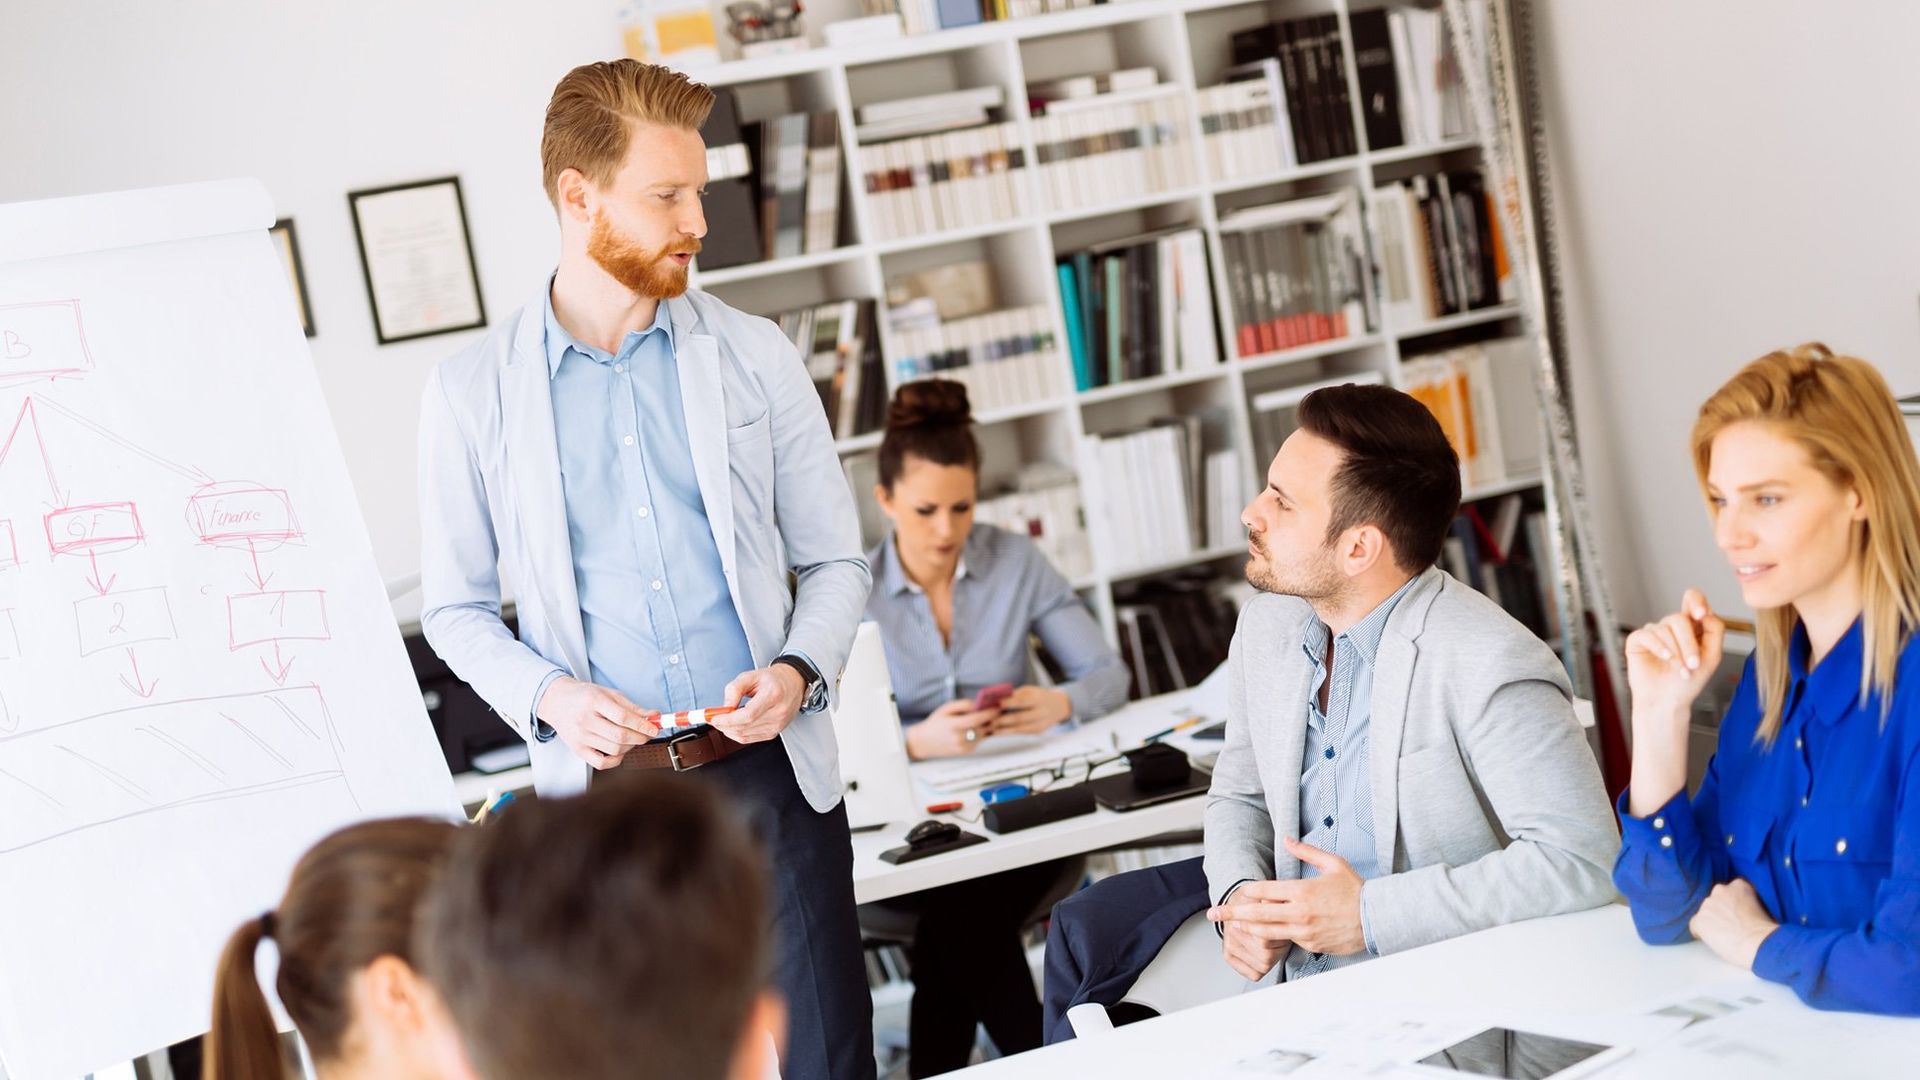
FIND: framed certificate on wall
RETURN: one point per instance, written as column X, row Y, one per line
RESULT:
column 418, row 259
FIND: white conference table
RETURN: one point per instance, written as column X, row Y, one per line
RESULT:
column 874, row 879
column 1584, row 976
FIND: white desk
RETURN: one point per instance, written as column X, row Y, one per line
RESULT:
column 1585, row 976
column 877, row 880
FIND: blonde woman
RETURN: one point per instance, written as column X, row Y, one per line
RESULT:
column 1799, row 858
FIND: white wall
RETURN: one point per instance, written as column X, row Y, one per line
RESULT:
column 1732, row 176
column 316, row 100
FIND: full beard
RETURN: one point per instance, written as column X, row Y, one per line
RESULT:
column 650, row 275
column 1315, row 580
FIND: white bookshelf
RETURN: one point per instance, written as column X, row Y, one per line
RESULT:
column 1187, row 42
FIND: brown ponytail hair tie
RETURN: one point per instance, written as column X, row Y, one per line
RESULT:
column 266, row 925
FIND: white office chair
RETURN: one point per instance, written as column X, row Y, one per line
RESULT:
column 1188, row 971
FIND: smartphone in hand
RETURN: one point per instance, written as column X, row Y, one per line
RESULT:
column 993, row 696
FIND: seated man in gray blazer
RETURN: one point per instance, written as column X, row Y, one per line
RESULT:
column 1402, row 762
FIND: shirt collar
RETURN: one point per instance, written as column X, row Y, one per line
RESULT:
column 1832, row 688
column 559, row 340
column 1364, row 635
column 893, row 576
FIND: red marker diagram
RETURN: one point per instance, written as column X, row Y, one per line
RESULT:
column 270, row 618
column 42, row 340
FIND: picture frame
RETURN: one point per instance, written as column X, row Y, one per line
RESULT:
column 287, row 242
column 416, row 254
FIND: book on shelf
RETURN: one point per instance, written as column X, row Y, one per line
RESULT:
column 1175, row 629
column 927, row 113
column 1503, row 548
column 1091, row 151
column 949, row 180
column 1046, row 508
column 1482, row 394
column 840, row 345
column 927, row 16
column 1275, row 413
column 1311, row 68
column 776, row 182
column 1441, row 249
column 1137, row 308
column 1412, row 91
column 1296, row 273
column 1006, row 358
column 730, row 188
column 1147, row 491
column 1243, row 126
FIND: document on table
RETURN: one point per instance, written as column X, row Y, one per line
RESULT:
column 1015, row 757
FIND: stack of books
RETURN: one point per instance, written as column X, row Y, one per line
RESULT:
column 951, row 180
column 1411, row 89
column 780, row 177
column 1303, row 63
column 1441, row 250
column 1149, row 497
column 1296, row 273
column 1006, row 358
column 1239, row 130
column 1503, row 549
column 842, row 353
column 1098, row 138
column 1047, row 510
column 1138, row 307
column 1482, row 394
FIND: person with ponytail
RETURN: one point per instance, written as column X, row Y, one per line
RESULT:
column 344, row 935
column 957, row 603
column 1799, row 856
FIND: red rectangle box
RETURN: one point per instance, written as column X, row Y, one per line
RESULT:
column 258, row 618
column 81, row 528
column 41, row 341
column 243, row 514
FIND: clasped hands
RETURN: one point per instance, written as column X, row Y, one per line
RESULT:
column 1262, row 919
column 600, row 724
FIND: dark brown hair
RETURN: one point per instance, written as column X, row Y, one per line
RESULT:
column 349, row 902
column 619, row 933
column 1397, row 472
column 591, row 116
column 931, row 420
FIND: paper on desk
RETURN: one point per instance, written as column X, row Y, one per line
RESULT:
column 1001, row 757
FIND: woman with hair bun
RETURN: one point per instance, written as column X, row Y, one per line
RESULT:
column 344, row 934
column 956, row 603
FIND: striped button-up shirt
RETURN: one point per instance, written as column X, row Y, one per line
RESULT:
column 1004, row 590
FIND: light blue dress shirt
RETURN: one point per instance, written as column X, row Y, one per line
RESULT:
column 1004, row 591
column 660, row 625
column 1336, row 789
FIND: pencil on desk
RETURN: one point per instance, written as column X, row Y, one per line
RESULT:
column 1181, row 726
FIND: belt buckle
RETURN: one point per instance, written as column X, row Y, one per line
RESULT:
column 673, row 751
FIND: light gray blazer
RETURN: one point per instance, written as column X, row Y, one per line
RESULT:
column 491, row 502
column 1487, row 802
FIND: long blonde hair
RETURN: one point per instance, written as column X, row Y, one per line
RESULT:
column 1839, row 410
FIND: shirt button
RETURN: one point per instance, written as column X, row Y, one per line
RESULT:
column 628, row 440
column 1666, row 841
column 656, row 584
column 1798, row 743
column 1803, row 800
column 1659, row 823
column 619, row 369
column 1729, row 839
column 643, row 512
column 1803, row 920
column 1328, row 822
column 1787, row 861
column 674, row 659
column 1841, row 847
column 1329, row 753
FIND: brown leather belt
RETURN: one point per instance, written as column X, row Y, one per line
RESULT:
column 681, row 752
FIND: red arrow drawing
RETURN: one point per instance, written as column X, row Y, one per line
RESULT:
column 138, row 685
column 259, row 580
column 27, row 414
column 93, row 579
column 279, row 677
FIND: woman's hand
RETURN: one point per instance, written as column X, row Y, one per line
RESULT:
column 1668, row 664
column 951, row 730
column 1733, row 923
column 1031, row 710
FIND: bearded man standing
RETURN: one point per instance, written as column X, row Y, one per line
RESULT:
column 653, row 472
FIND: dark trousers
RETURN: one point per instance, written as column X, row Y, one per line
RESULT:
column 969, row 968
column 818, row 964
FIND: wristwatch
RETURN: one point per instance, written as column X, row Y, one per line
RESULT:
column 816, row 693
